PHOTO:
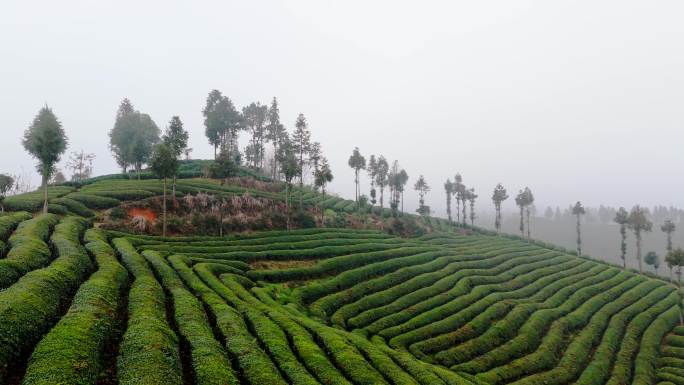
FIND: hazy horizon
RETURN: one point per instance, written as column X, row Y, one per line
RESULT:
column 578, row 101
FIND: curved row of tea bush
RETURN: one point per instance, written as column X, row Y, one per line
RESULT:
column 33, row 201
column 480, row 339
column 455, row 312
column 72, row 352
column 354, row 284
column 149, row 351
column 210, row 363
column 334, row 265
column 480, row 314
column 31, row 306
column 452, row 283
column 28, row 248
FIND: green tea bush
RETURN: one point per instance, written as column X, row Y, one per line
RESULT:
column 29, row 249
column 210, row 361
column 149, row 352
column 30, row 307
column 72, row 352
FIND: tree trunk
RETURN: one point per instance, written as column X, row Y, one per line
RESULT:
column 522, row 223
column 498, row 218
column 465, row 219
column 679, row 294
column 45, row 194
column 301, row 178
column 638, row 246
column 321, row 208
column 382, row 197
column 458, row 211
column 579, row 237
column 623, row 246
column 164, row 211
column 527, row 212
column 174, row 189
column 287, row 205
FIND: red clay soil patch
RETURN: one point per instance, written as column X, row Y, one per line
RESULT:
column 273, row 265
column 150, row 215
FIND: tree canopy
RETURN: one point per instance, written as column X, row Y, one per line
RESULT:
column 133, row 137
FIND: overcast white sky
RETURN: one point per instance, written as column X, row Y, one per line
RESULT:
column 577, row 99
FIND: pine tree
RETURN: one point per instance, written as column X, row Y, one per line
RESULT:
column 357, row 162
column 164, row 164
column 578, row 211
column 498, row 197
column 622, row 218
column 639, row 223
column 301, row 141
column 275, row 133
column 46, row 141
column 176, row 137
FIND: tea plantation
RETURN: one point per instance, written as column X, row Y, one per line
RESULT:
column 81, row 304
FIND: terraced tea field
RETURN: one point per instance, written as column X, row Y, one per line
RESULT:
column 81, row 305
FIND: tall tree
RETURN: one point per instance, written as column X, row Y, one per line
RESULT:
column 422, row 188
column 301, row 141
column 498, row 197
column 164, row 164
column 578, row 211
column 668, row 228
column 381, row 177
column 471, row 198
column 676, row 258
column 357, row 162
column 622, row 219
column 322, row 177
column 289, row 164
column 458, row 188
column 254, row 119
column 402, row 179
column 176, row 137
column 520, row 202
column 81, row 165
column 372, row 174
column 145, row 136
column 449, row 191
column 119, row 137
column 529, row 201
column 46, row 141
column 6, row 185
column 394, row 184
column 639, row 223
column 222, row 123
column 132, row 138
column 275, row 133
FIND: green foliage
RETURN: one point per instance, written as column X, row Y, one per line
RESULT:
column 72, row 352
column 46, row 141
column 164, row 162
column 29, row 307
column 176, row 137
column 209, row 360
column 149, row 349
column 133, row 137
column 33, row 201
column 29, row 249
column 225, row 166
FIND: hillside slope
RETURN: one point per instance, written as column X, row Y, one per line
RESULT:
column 322, row 305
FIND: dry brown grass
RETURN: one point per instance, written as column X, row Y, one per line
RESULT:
column 272, row 265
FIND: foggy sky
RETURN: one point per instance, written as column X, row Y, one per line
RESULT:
column 580, row 100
